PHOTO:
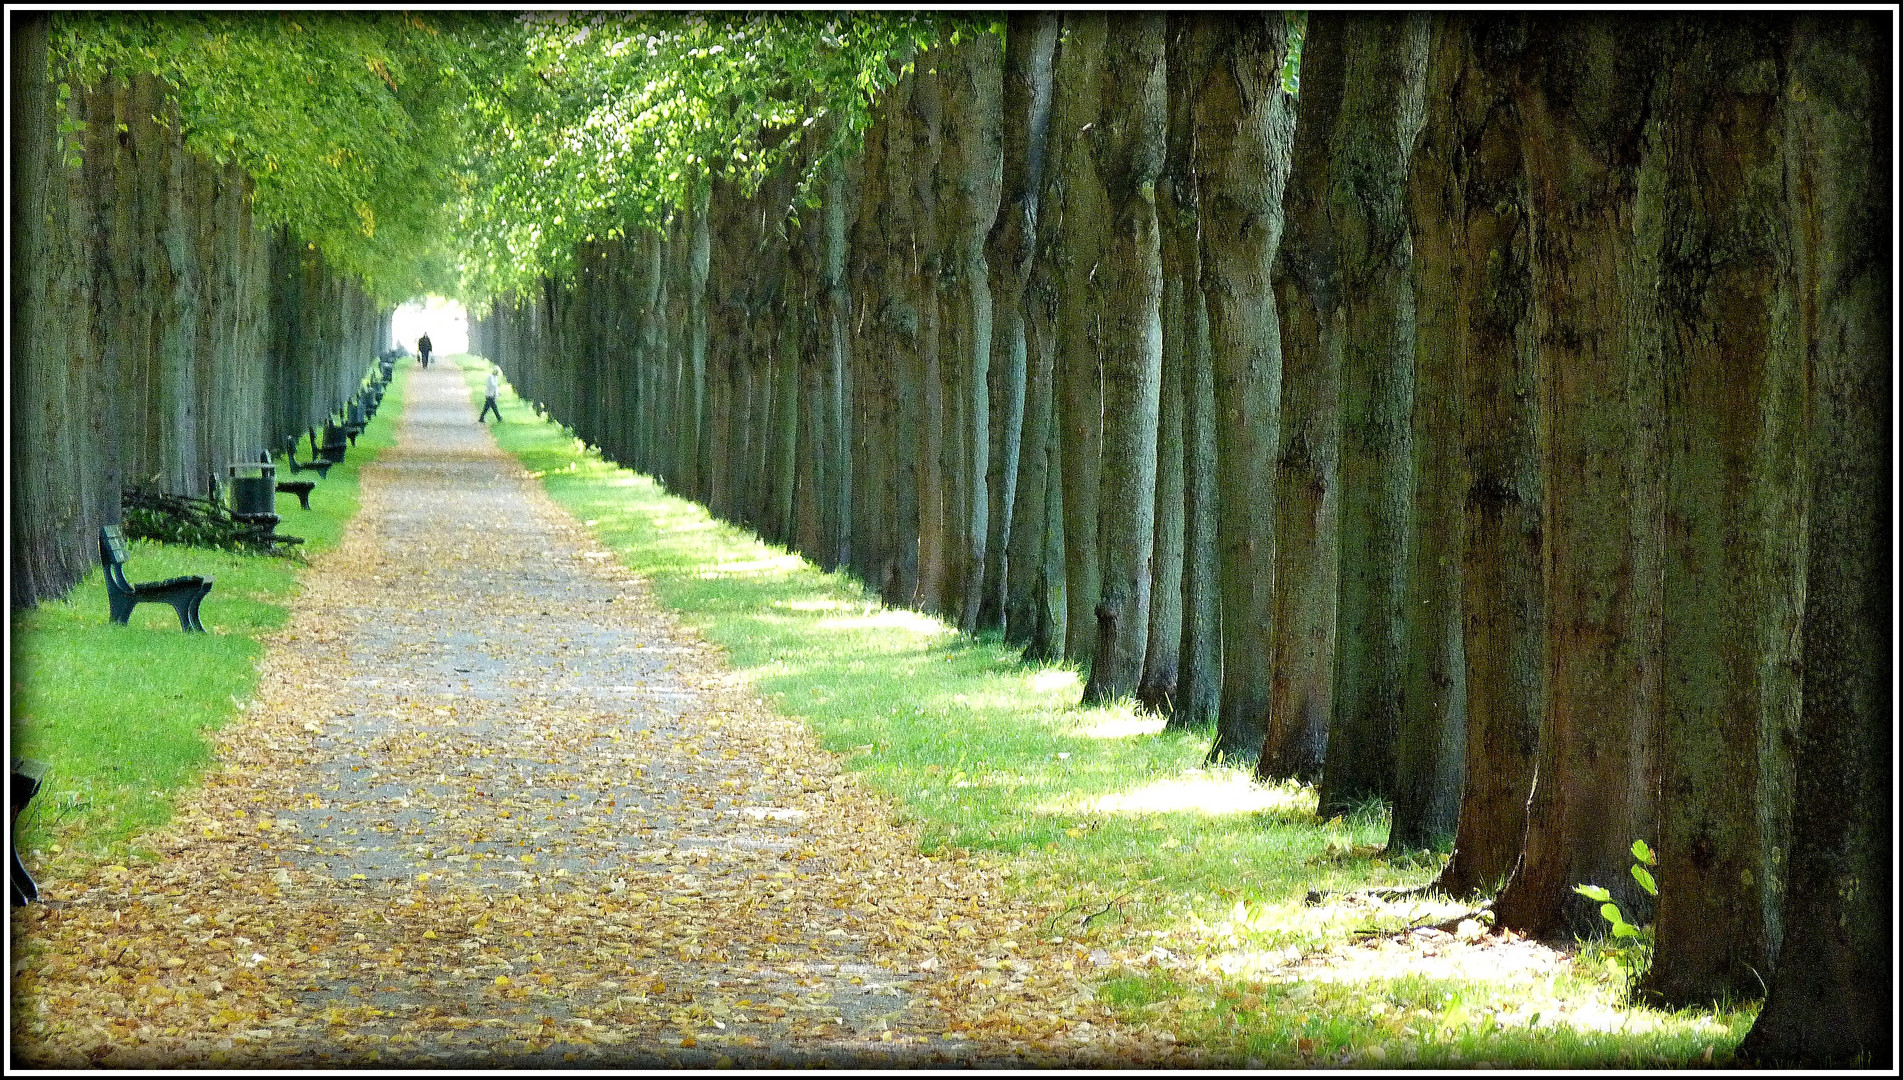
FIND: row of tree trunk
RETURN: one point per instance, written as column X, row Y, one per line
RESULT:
column 159, row 332
column 1498, row 433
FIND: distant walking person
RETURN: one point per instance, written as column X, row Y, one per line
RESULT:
column 489, row 400
column 423, row 347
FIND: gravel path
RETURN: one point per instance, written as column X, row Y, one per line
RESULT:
column 493, row 807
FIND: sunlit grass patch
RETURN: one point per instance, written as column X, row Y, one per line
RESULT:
column 120, row 711
column 1411, row 1020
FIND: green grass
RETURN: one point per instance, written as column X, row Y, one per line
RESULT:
column 120, row 711
column 1095, row 809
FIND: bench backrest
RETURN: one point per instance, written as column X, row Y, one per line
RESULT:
column 112, row 557
column 112, row 545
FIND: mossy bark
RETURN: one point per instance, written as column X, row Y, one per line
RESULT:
column 1130, row 147
column 1244, row 127
column 1384, row 64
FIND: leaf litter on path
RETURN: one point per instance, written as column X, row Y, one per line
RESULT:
column 493, row 806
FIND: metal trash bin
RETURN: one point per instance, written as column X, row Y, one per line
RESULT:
column 253, row 496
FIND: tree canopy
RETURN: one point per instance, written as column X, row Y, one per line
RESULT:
column 468, row 153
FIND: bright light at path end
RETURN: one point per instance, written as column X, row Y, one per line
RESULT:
column 443, row 319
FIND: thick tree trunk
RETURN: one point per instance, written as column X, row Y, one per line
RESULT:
column 1080, row 391
column 1030, row 39
column 1735, row 409
column 1307, row 478
column 1595, row 179
column 920, row 173
column 695, row 430
column 1177, row 246
column 1130, row 148
column 1430, row 744
column 870, row 360
column 1502, row 582
column 1037, row 565
column 1198, row 689
column 1245, row 125
column 723, row 214
column 1831, row 1000
column 839, row 210
column 903, row 316
column 972, row 184
column 1162, row 651
column 1384, row 66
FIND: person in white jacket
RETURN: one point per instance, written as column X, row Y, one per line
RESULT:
column 489, row 400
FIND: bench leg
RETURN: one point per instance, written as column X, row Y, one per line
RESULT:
column 120, row 607
column 24, row 889
column 188, row 609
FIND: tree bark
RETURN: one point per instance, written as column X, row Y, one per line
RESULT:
column 1079, row 335
column 1245, row 125
column 1734, row 568
column 1595, row 179
column 1186, row 334
column 1308, row 492
column 1042, row 612
column 1384, row 64
column 1831, row 997
column 920, row 170
column 696, row 432
column 1130, row 147
column 1502, row 568
column 972, row 183
column 1030, row 40
column 1430, row 744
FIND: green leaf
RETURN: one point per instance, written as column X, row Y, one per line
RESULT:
column 1613, row 915
column 1644, row 878
column 1625, row 930
column 1643, row 853
column 1592, row 892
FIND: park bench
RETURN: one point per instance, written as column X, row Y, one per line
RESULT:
column 25, row 782
column 183, row 593
column 332, row 448
column 319, row 465
column 299, row 488
column 355, row 419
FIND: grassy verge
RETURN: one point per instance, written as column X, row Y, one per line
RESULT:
column 1100, row 812
column 120, row 711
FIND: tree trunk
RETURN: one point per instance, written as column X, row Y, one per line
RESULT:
column 1245, row 125
column 1308, row 492
column 696, row 432
column 1384, row 66
column 1430, row 745
column 1030, row 39
column 1502, row 582
column 972, row 183
column 1595, row 178
column 1163, row 646
column 921, row 173
column 1041, row 612
column 1130, row 148
column 1734, row 568
column 838, row 211
column 1080, row 393
column 1186, row 335
column 1831, row 998
column 903, row 316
